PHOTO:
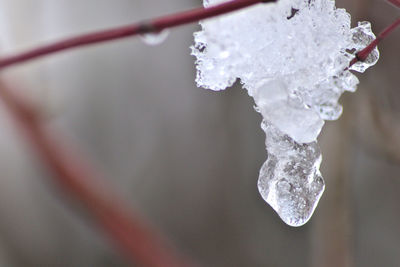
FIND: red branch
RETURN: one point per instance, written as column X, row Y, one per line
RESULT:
column 151, row 26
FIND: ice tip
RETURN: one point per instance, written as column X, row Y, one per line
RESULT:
column 298, row 223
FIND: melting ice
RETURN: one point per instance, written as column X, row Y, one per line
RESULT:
column 294, row 65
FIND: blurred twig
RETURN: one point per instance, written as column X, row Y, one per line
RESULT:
column 395, row 2
column 129, row 231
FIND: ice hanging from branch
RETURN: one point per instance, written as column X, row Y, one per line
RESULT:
column 292, row 58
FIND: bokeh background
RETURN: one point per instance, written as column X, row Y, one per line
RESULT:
column 188, row 158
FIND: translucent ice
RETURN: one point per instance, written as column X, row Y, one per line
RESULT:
column 363, row 36
column 290, row 180
column 292, row 57
column 155, row 38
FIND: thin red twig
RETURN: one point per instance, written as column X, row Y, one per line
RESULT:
column 363, row 54
column 151, row 26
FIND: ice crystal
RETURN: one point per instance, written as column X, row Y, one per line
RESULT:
column 292, row 57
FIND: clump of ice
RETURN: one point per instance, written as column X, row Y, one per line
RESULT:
column 292, row 57
column 290, row 180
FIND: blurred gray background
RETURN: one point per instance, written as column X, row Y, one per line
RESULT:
column 188, row 158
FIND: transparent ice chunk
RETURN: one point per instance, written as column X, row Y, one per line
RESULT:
column 290, row 180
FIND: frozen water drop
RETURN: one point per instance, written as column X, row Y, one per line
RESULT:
column 155, row 38
column 290, row 180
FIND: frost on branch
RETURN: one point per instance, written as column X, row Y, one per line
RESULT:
column 292, row 58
